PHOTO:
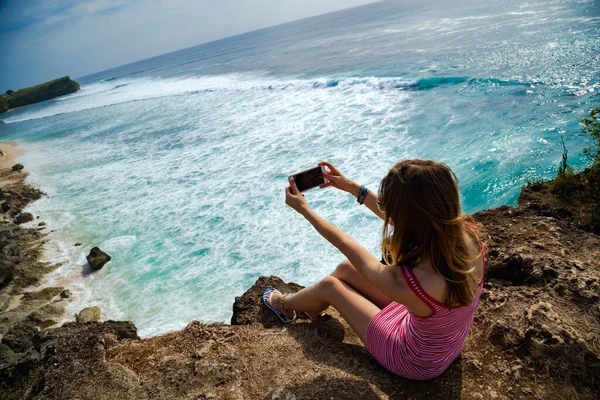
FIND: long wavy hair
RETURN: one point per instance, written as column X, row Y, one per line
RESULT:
column 421, row 202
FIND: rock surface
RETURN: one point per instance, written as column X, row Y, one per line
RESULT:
column 20, row 337
column 536, row 332
column 248, row 308
column 20, row 258
column 90, row 314
column 535, row 335
column 97, row 258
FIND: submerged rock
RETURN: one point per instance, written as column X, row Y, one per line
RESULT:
column 97, row 258
column 17, row 167
column 90, row 314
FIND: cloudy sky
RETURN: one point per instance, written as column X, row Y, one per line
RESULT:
column 45, row 39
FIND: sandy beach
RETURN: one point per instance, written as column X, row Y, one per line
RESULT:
column 8, row 153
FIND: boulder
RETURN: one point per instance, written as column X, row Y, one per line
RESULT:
column 90, row 314
column 97, row 258
column 248, row 308
column 42, row 223
column 23, row 218
column 17, row 167
column 65, row 294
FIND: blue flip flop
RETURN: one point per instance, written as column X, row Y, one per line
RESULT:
column 281, row 316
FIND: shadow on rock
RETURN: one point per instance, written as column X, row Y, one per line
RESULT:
column 323, row 388
column 322, row 341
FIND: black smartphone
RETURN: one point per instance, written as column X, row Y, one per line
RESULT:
column 308, row 179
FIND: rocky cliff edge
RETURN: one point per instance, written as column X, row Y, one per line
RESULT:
column 536, row 335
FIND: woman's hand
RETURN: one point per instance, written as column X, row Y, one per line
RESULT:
column 336, row 178
column 295, row 199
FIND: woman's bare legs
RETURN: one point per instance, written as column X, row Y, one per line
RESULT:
column 346, row 272
column 356, row 309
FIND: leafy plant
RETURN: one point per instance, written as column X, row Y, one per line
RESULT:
column 591, row 127
column 567, row 181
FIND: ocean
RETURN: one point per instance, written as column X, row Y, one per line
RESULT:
column 176, row 165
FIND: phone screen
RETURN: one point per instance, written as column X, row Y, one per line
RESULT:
column 309, row 179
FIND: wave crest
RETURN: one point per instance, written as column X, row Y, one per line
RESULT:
column 115, row 91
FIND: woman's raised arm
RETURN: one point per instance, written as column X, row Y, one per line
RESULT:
column 338, row 180
column 384, row 277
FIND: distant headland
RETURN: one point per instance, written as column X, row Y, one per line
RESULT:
column 34, row 94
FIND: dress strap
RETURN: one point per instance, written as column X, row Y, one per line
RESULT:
column 418, row 290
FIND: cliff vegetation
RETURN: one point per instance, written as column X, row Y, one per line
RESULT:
column 34, row 94
column 573, row 195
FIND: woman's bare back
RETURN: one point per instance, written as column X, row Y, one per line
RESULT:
column 436, row 286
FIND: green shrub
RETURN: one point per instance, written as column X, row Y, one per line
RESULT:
column 10, row 91
column 568, row 181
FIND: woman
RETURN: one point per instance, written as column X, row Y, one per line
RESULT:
column 413, row 309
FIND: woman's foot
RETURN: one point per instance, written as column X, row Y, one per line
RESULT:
column 273, row 298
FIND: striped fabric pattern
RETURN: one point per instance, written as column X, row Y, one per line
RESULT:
column 417, row 347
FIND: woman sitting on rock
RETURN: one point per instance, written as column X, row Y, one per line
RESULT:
column 413, row 309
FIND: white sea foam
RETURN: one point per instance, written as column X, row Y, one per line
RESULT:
column 125, row 90
column 188, row 199
column 186, row 192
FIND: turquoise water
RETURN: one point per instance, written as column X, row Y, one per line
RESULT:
column 176, row 165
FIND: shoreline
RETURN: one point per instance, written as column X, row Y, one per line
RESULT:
column 26, row 297
column 8, row 154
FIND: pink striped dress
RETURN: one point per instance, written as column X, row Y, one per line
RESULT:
column 420, row 347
